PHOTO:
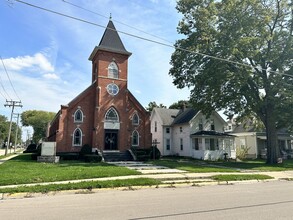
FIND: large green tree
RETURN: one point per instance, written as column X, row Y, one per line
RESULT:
column 38, row 120
column 153, row 105
column 4, row 131
column 237, row 55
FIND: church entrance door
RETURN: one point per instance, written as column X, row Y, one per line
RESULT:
column 111, row 139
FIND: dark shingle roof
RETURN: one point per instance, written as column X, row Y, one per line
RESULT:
column 110, row 42
column 185, row 116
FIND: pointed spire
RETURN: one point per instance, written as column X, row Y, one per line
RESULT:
column 110, row 41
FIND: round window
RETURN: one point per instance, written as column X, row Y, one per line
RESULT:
column 112, row 89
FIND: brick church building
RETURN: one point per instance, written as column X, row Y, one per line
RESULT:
column 106, row 115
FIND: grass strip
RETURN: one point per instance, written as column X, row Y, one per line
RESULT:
column 240, row 177
column 22, row 170
column 191, row 166
column 89, row 185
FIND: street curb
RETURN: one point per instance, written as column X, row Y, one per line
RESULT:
column 25, row 195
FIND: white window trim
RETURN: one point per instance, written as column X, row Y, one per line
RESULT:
column 73, row 138
column 116, row 67
column 135, row 132
column 82, row 115
column 135, row 123
column 111, row 109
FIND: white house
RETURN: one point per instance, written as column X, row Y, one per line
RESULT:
column 255, row 140
column 189, row 133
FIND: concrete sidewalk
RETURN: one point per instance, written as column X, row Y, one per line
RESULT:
column 166, row 175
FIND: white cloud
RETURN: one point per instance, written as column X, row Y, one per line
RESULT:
column 38, row 61
column 51, row 76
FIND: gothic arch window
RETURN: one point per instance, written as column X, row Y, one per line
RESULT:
column 113, row 70
column 77, row 137
column 135, row 119
column 135, row 138
column 112, row 115
column 78, row 116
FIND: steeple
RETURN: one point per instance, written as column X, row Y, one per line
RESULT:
column 110, row 42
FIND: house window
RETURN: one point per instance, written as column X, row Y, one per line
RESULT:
column 78, row 116
column 111, row 115
column 181, row 129
column 212, row 125
column 168, row 130
column 135, row 138
column 196, row 144
column 156, row 126
column 181, row 144
column 168, row 144
column 207, row 143
column 77, row 137
column 113, row 70
column 211, row 144
column 200, row 125
column 135, row 119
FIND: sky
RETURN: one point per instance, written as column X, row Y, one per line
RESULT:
column 46, row 55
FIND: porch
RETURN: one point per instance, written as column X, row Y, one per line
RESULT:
column 212, row 145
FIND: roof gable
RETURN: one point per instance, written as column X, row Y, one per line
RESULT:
column 167, row 115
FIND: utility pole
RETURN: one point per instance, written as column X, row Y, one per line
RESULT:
column 15, row 142
column 11, row 104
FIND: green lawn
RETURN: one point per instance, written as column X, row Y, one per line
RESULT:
column 83, row 185
column 189, row 165
column 240, row 177
column 260, row 165
column 199, row 166
column 22, row 169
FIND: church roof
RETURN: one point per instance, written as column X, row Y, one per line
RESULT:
column 110, row 42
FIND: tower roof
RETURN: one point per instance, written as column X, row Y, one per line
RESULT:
column 110, row 42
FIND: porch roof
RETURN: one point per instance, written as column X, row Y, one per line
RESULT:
column 211, row 133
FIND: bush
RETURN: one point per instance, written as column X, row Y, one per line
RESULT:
column 155, row 154
column 144, row 154
column 92, row 158
column 241, row 152
column 37, row 153
column 68, row 156
column 85, row 150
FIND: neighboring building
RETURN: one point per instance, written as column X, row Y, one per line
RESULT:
column 189, row 133
column 106, row 115
column 247, row 136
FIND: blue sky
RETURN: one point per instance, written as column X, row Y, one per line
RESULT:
column 46, row 55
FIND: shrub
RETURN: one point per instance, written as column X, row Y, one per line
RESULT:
column 86, row 149
column 144, row 154
column 241, row 152
column 155, row 153
column 92, row 158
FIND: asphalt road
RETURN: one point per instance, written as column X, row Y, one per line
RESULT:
column 270, row 200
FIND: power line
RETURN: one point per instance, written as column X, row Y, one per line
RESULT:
column 116, row 21
column 6, row 94
column 9, row 78
column 150, row 40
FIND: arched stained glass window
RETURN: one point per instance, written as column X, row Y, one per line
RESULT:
column 78, row 116
column 135, row 138
column 112, row 115
column 113, row 70
column 77, row 137
column 135, row 119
